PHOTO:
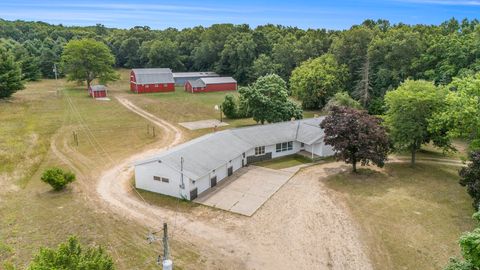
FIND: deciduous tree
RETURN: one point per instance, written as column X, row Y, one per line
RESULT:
column 267, row 100
column 342, row 99
column 316, row 80
column 461, row 114
column 86, row 60
column 410, row 109
column 470, row 178
column 356, row 136
column 470, row 249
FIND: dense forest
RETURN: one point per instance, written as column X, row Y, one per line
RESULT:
column 366, row 60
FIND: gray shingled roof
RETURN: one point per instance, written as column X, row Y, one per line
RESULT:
column 194, row 74
column 153, row 75
column 98, row 87
column 209, row 152
column 217, row 80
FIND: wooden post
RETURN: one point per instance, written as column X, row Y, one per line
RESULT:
column 148, row 129
column 153, row 131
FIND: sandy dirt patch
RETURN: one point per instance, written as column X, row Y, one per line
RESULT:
column 210, row 123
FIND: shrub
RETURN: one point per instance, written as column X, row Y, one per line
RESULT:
column 57, row 178
column 470, row 178
column 71, row 255
column 229, row 107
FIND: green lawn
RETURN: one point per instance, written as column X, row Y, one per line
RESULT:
column 284, row 162
column 181, row 106
column 410, row 218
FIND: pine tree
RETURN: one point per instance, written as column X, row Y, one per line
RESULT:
column 10, row 74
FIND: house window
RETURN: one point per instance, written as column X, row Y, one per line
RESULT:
column 146, row 86
column 259, row 150
column 165, row 85
column 282, row 147
column 156, row 85
column 302, row 145
column 161, row 179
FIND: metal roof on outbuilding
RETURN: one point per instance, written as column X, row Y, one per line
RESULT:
column 153, row 75
column 196, row 83
column 218, row 80
column 209, row 152
column 194, row 74
column 98, row 87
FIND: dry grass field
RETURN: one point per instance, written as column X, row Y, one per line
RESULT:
column 33, row 215
column 411, row 218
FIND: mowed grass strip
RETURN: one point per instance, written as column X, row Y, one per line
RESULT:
column 284, row 162
column 411, row 218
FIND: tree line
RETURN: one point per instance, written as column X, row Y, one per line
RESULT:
column 366, row 60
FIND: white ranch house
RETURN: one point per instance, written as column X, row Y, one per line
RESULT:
column 188, row 170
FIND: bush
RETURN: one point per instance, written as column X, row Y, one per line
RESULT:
column 71, row 255
column 229, row 107
column 57, row 178
column 470, row 178
column 342, row 99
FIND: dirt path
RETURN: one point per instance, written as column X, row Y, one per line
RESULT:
column 301, row 227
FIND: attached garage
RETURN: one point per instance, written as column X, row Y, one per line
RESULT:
column 212, row 84
column 151, row 80
column 97, row 91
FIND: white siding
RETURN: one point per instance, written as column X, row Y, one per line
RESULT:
column 237, row 163
column 202, row 184
column 327, row 150
column 144, row 179
column 221, row 172
column 273, row 149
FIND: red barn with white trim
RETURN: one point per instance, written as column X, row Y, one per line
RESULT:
column 212, row 84
column 150, row 80
column 97, row 91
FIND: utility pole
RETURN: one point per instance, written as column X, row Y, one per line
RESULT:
column 164, row 260
column 221, row 114
column 56, row 78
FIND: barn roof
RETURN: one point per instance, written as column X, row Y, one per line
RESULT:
column 217, row 80
column 209, row 152
column 98, row 87
column 194, row 74
column 196, row 83
column 153, row 75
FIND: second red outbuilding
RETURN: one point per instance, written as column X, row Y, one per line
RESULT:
column 211, row 84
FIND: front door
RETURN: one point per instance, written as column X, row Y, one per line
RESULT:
column 230, row 171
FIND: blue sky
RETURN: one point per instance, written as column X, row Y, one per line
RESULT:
column 180, row 14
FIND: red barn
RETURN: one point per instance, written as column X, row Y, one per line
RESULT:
column 211, row 84
column 97, row 91
column 149, row 80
